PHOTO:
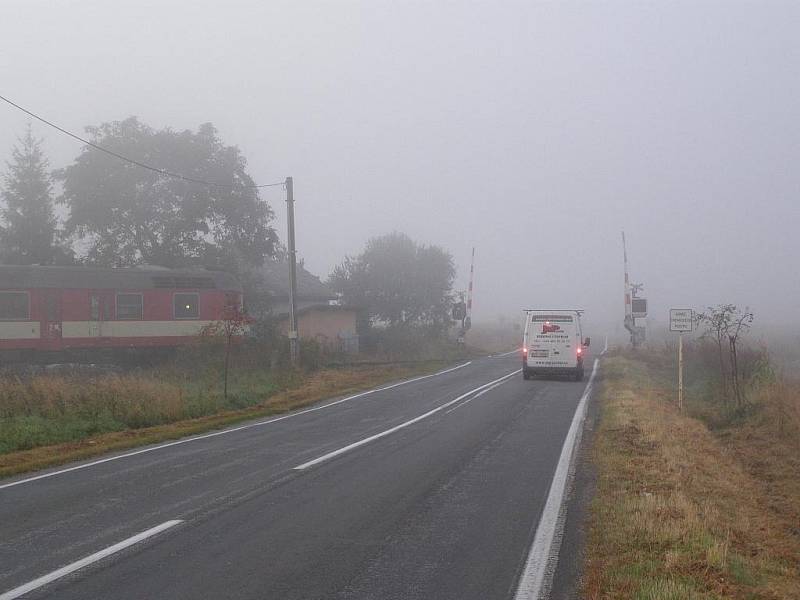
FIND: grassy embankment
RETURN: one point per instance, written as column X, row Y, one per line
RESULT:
column 699, row 504
column 500, row 335
column 49, row 419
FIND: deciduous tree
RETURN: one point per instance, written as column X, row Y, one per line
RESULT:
column 130, row 215
column 398, row 281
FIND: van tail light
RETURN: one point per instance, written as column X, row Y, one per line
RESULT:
column 525, row 352
column 580, row 350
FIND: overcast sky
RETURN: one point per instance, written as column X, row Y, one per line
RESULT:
column 533, row 131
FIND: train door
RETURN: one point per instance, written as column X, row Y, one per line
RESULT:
column 101, row 309
column 51, row 319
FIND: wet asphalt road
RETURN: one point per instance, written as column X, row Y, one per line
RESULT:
column 442, row 506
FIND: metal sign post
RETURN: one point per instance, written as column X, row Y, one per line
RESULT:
column 680, row 372
column 680, row 320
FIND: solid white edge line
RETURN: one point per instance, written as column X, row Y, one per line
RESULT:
column 547, row 541
column 80, row 564
column 227, row 431
column 372, row 438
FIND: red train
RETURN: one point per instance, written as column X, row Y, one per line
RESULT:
column 58, row 309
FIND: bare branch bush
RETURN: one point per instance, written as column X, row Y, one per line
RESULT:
column 725, row 324
column 231, row 327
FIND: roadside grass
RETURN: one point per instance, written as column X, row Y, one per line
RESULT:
column 49, row 420
column 685, row 511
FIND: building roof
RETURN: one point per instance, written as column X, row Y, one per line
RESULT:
column 134, row 278
column 309, row 287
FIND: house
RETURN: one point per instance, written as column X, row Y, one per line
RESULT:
column 320, row 316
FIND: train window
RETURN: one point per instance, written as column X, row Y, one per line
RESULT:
column 14, row 306
column 129, row 307
column 187, row 306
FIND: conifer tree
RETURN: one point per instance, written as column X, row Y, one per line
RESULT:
column 28, row 234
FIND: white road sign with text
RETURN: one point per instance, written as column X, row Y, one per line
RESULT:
column 681, row 319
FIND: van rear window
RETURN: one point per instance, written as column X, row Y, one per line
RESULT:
column 551, row 318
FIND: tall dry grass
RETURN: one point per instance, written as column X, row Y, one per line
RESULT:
column 51, row 408
column 779, row 404
column 772, row 392
column 79, row 432
column 47, row 409
column 131, row 399
column 685, row 511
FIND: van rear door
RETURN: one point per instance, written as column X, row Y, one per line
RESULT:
column 551, row 338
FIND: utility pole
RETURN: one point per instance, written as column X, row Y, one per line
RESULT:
column 294, row 343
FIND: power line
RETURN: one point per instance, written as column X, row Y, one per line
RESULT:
column 163, row 172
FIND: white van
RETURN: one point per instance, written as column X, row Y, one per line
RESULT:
column 553, row 343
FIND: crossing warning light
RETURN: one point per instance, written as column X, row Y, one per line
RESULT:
column 639, row 307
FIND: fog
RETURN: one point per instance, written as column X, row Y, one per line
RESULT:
column 534, row 132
